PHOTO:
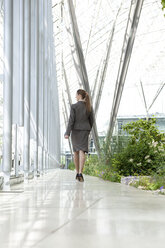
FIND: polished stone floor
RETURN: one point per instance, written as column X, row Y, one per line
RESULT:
column 55, row 211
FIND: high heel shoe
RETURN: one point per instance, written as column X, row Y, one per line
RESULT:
column 77, row 176
column 81, row 178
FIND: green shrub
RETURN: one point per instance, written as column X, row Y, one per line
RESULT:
column 95, row 167
column 111, row 175
column 163, row 4
column 145, row 152
column 71, row 166
column 159, row 181
column 161, row 169
column 150, row 183
column 108, row 149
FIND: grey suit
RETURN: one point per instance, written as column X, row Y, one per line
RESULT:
column 79, row 118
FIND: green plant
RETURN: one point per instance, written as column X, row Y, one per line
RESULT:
column 163, row 4
column 145, row 152
column 106, row 153
column 158, row 181
column 111, row 175
column 90, row 165
column 71, row 166
column 96, row 167
column 150, row 183
column 109, row 148
column 161, row 169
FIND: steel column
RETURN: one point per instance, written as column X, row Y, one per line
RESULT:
column 36, row 82
column 124, row 64
column 104, row 70
column 21, row 69
column 27, row 5
column 45, row 81
column 41, row 77
column 7, row 105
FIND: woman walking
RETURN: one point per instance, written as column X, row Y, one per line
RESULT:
column 80, row 125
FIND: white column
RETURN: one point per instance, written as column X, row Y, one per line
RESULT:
column 8, row 71
column 26, row 162
column 21, row 53
column 41, row 89
column 45, row 80
column 16, row 151
column 33, row 72
column 21, row 71
column 17, row 39
column 49, row 83
column 21, row 74
column 36, row 82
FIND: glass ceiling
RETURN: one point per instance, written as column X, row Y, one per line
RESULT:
column 146, row 72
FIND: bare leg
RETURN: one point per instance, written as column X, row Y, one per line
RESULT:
column 81, row 161
column 76, row 161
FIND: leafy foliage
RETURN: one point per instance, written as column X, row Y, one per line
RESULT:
column 94, row 167
column 108, row 149
column 150, row 183
column 145, row 152
column 71, row 166
column 163, row 4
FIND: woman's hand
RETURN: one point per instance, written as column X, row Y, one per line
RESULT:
column 66, row 137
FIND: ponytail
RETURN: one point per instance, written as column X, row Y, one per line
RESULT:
column 85, row 96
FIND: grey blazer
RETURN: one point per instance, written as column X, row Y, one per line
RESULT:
column 79, row 118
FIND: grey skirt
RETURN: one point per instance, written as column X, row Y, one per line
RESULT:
column 80, row 140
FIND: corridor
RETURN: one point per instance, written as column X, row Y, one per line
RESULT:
column 55, row 210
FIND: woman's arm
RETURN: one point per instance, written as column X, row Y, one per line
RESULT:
column 91, row 118
column 70, row 123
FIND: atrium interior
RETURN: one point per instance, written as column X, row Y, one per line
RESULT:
column 114, row 50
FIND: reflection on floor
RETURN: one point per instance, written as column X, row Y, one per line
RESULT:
column 57, row 211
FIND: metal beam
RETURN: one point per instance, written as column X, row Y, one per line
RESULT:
column 72, row 47
column 144, row 98
column 105, row 64
column 41, row 78
column 157, row 94
column 93, row 91
column 94, row 18
column 45, row 84
column 124, row 63
column 27, row 74
column 66, row 83
column 104, row 70
column 36, row 102
column 17, row 113
column 21, row 69
column 7, row 103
